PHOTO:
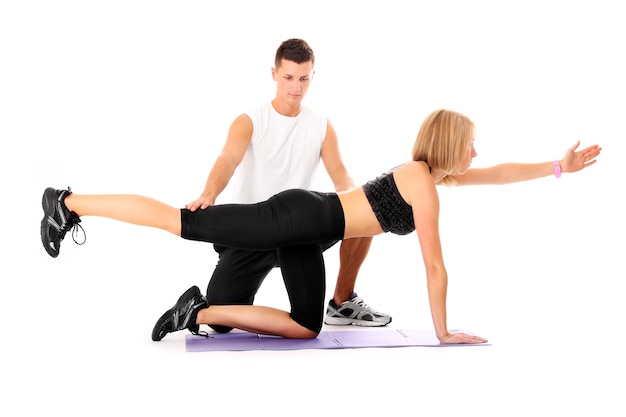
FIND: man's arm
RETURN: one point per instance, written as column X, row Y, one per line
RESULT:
column 237, row 142
column 331, row 156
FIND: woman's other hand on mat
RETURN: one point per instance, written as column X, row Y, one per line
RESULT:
column 461, row 338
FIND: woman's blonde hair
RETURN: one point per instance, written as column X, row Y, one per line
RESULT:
column 443, row 140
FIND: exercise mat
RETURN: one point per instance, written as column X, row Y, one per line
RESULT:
column 337, row 339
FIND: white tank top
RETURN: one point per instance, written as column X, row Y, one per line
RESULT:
column 284, row 153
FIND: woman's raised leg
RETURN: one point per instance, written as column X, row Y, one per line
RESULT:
column 128, row 208
column 63, row 210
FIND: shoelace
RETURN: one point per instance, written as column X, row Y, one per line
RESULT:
column 72, row 222
column 201, row 333
column 359, row 301
column 75, row 226
column 195, row 329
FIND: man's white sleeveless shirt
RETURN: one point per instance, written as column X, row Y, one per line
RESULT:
column 284, row 153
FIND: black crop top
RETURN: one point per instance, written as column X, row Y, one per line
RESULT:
column 393, row 213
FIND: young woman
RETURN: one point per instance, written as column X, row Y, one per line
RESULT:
column 400, row 201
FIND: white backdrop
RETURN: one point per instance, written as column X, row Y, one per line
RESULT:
column 137, row 96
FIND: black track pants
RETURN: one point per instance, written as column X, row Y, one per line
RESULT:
column 290, row 230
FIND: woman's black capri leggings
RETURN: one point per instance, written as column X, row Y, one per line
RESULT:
column 297, row 219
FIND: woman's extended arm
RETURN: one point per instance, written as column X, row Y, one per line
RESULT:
column 573, row 161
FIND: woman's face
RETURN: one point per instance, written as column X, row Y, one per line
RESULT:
column 466, row 160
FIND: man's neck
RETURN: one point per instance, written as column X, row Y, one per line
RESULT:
column 286, row 109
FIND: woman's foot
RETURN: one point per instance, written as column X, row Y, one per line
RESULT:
column 182, row 315
column 57, row 220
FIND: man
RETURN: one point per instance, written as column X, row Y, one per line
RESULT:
column 275, row 147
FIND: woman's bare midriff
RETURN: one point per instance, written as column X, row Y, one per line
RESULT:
column 359, row 216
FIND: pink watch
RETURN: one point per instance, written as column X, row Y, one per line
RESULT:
column 557, row 169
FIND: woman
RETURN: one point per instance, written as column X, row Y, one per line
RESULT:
column 401, row 201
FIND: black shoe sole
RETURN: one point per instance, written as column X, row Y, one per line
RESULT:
column 157, row 332
column 48, row 210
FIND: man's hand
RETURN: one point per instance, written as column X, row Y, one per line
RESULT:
column 201, row 202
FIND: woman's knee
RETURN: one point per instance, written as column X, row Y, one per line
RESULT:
column 305, row 328
column 220, row 329
column 301, row 332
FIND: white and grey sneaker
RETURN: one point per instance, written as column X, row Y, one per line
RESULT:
column 356, row 312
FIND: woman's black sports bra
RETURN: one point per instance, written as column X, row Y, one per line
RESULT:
column 393, row 213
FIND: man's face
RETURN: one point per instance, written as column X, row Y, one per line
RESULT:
column 292, row 80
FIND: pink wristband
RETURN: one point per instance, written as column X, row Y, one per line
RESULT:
column 557, row 169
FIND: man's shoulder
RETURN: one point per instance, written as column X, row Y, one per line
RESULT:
column 265, row 107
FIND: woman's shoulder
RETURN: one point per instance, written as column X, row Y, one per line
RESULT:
column 413, row 180
column 413, row 167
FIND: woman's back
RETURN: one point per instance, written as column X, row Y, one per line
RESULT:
column 387, row 207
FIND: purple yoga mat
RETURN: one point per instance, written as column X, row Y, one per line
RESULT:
column 340, row 339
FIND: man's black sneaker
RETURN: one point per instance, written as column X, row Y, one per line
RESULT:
column 182, row 315
column 57, row 220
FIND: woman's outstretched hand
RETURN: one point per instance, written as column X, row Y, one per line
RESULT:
column 576, row 160
column 461, row 338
